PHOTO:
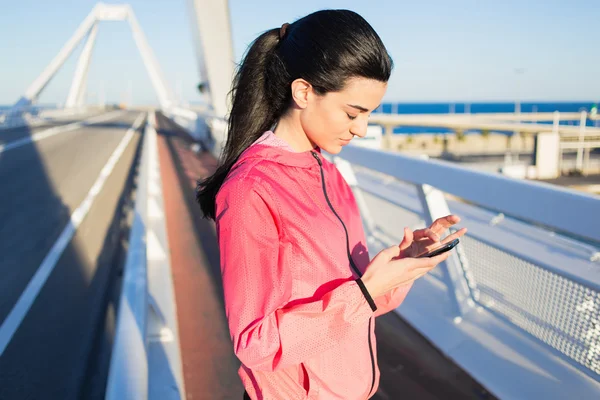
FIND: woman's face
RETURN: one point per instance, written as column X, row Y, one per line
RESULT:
column 330, row 121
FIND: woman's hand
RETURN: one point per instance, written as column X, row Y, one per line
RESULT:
column 387, row 271
column 422, row 240
column 397, row 266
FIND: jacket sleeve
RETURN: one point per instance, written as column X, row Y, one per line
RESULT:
column 268, row 328
column 391, row 300
column 394, row 297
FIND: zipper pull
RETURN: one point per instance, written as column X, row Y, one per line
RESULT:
column 315, row 155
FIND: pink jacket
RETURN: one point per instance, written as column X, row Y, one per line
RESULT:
column 292, row 251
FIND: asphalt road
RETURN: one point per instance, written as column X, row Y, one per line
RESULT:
column 54, row 351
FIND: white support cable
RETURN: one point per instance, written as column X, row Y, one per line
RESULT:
column 101, row 12
column 165, row 97
column 44, row 78
column 78, row 86
column 200, row 59
column 212, row 36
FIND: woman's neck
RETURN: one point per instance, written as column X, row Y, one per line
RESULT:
column 289, row 129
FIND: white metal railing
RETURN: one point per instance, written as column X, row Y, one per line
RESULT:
column 204, row 126
column 34, row 116
column 555, row 301
column 532, row 201
column 460, row 122
column 17, row 117
column 146, row 360
column 586, row 138
column 128, row 373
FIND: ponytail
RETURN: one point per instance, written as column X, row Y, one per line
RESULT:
column 259, row 99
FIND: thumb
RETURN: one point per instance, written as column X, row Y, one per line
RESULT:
column 407, row 239
column 388, row 254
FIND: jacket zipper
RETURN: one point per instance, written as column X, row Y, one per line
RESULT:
column 354, row 267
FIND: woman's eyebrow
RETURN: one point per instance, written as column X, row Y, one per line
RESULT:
column 360, row 108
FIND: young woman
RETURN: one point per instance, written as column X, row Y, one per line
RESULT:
column 301, row 292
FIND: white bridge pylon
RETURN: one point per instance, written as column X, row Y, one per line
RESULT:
column 89, row 28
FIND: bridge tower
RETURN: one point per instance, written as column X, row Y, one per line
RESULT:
column 89, row 29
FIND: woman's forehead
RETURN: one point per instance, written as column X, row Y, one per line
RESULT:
column 362, row 92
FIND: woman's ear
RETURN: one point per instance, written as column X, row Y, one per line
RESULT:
column 301, row 90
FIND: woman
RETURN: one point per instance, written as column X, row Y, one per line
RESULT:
column 301, row 293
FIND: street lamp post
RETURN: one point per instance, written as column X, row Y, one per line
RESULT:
column 518, row 72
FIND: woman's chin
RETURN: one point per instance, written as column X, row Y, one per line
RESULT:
column 332, row 148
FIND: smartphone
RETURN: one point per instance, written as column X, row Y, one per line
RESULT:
column 439, row 250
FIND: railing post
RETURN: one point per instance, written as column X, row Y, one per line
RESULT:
column 455, row 268
column 434, row 206
column 347, row 172
column 555, row 126
column 547, row 155
column 582, row 123
column 388, row 133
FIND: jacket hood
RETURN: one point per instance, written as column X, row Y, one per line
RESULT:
column 258, row 151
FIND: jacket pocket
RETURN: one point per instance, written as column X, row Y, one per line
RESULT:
column 304, row 379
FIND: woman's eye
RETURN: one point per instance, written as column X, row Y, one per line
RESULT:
column 351, row 116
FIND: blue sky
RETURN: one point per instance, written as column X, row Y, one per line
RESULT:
column 462, row 50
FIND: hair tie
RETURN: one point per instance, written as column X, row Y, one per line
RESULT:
column 283, row 30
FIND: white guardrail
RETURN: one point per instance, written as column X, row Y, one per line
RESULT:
column 15, row 118
column 518, row 304
column 146, row 361
column 205, row 127
column 34, row 116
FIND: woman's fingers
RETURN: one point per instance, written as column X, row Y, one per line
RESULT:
column 426, row 233
column 431, row 262
column 407, row 240
column 441, row 257
column 425, row 263
column 392, row 252
column 455, row 235
column 440, row 225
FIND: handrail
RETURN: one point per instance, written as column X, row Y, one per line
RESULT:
column 146, row 359
column 459, row 121
column 128, row 374
column 536, row 206
column 493, row 191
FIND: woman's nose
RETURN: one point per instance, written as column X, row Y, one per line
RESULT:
column 359, row 128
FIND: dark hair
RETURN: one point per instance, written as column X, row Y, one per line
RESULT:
column 325, row 48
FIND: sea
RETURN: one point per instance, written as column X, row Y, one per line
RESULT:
column 482, row 107
column 36, row 107
column 473, row 108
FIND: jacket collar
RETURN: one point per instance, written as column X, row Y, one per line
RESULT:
column 304, row 159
